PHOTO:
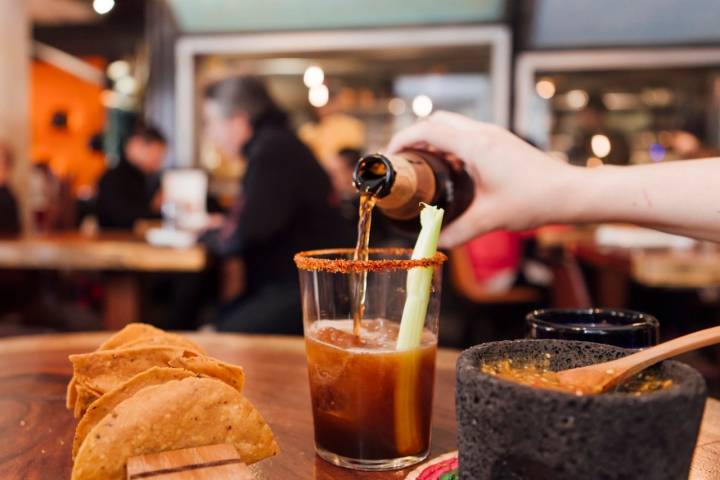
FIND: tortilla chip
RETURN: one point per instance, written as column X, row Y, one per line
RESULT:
column 166, row 340
column 178, row 414
column 104, row 405
column 84, row 397
column 71, row 395
column 129, row 333
column 230, row 374
column 103, row 371
column 132, row 335
column 135, row 334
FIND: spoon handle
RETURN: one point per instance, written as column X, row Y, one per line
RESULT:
column 644, row 358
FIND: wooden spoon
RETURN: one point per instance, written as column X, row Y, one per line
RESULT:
column 601, row 377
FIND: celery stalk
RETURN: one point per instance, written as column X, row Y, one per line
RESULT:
column 419, row 280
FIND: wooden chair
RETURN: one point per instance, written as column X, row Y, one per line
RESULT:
column 485, row 315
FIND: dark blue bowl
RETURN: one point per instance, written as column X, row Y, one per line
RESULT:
column 622, row 328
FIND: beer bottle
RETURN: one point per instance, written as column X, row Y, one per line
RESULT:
column 402, row 180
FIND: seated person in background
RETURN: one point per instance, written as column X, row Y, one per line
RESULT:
column 495, row 258
column 130, row 191
column 9, row 220
column 286, row 206
column 51, row 199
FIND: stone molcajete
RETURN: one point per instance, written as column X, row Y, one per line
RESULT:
column 512, row 431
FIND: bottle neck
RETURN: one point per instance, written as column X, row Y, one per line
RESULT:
column 374, row 174
column 401, row 182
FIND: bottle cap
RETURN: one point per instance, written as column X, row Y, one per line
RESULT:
column 374, row 174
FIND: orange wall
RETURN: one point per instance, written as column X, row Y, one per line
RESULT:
column 66, row 151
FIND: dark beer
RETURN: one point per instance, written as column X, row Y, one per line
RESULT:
column 370, row 401
column 359, row 282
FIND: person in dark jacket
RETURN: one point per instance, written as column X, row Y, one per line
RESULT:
column 9, row 219
column 286, row 205
column 130, row 191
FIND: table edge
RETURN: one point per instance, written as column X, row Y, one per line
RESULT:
column 82, row 341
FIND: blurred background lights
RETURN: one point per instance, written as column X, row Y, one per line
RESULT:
column 318, row 95
column 422, row 106
column 620, row 101
column 545, row 89
column 103, row 6
column 657, row 152
column 593, row 162
column 656, row 97
column 576, row 99
column 313, row 76
column 397, row 106
column 118, row 69
column 108, row 98
column 600, row 145
column 126, row 85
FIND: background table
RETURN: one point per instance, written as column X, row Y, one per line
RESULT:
column 651, row 267
column 36, row 431
column 123, row 253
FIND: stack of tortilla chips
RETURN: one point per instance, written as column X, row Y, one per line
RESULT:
column 146, row 391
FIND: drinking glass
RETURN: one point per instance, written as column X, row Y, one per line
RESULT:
column 371, row 401
column 622, row 328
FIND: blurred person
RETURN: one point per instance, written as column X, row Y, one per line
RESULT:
column 51, row 199
column 285, row 206
column 519, row 187
column 130, row 191
column 18, row 287
column 43, row 192
column 86, row 195
column 495, row 258
column 9, row 218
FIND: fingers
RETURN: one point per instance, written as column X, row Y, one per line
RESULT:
column 449, row 132
column 418, row 134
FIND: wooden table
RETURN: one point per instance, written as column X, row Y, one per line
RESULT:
column 651, row 267
column 123, row 254
column 36, row 431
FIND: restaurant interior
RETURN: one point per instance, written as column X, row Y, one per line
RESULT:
column 89, row 85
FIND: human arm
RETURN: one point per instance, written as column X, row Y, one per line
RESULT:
column 677, row 197
column 519, row 187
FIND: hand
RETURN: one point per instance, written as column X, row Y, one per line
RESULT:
column 517, row 185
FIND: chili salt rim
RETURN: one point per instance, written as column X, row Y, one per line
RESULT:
column 308, row 261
